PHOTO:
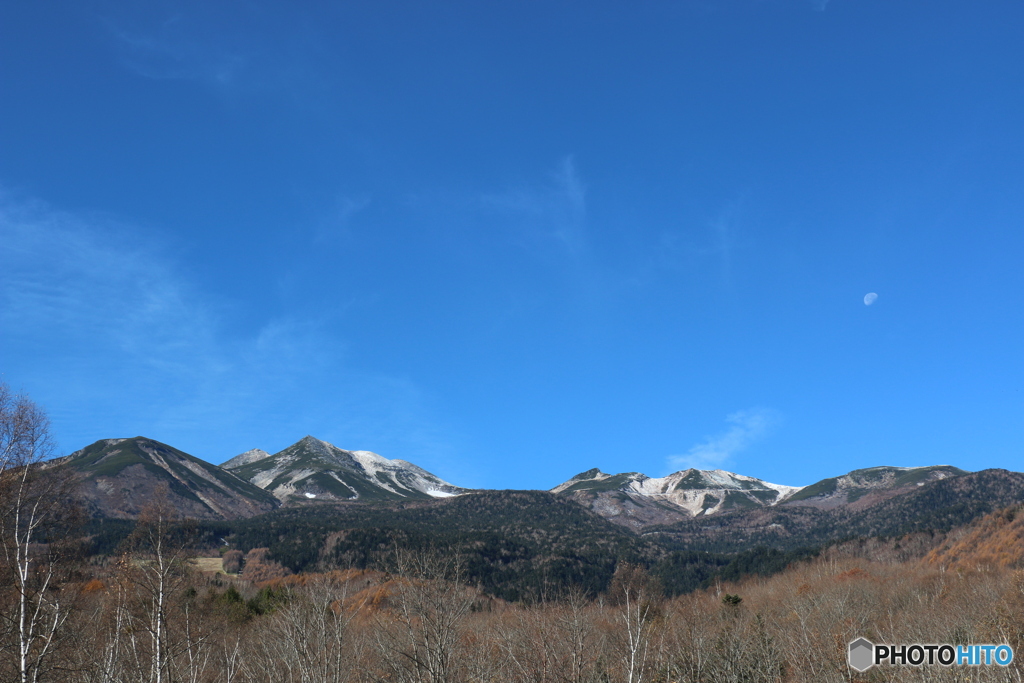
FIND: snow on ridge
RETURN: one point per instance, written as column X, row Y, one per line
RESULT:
column 721, row 479
column 373, row 465
column 395, row 476
column 334, row 475
column 784, row 490
column 713, row 483
column 415, row 478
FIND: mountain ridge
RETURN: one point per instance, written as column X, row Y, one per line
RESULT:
column 937, row 505
column 314, row 470
column 636, row 500
column 119, row 477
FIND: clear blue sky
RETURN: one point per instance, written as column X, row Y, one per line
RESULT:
column 514, row 241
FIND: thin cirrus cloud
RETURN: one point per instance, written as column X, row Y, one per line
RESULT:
column 745, row 428
column 548, row 222
column 552, row 216
column 172, row 52
column 552, row 223
column 226, row 46
column 109, row 308
column 337, row 222
column 720, row 243
column 69, row 276
column 101, row 326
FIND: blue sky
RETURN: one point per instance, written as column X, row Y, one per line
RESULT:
column 511, row 242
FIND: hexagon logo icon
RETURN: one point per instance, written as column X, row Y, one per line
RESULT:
column 862, row 654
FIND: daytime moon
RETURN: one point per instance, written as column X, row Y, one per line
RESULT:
column 869, row 298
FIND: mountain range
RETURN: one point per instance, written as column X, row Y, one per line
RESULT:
column 636, row 500
column 120, row 475
column 527, row 544
column 316, row 506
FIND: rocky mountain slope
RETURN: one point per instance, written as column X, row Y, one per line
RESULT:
column 120, row 476
column 311, row 469
column 636, row 500
column 936, row 505
column 866, row 487
column 245, row 458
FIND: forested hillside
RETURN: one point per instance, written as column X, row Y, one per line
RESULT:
column 525, row 545
column 937, row 505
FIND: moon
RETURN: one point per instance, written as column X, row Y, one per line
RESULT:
column 869, row 298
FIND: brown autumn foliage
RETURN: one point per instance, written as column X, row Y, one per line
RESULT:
column 258, row 566
column 232, row 561
column 364, row 626
column 996, row 540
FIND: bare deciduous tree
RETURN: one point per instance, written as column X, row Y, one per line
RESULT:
column 421, row 639
column 638, row 596
column 34, row 512
column 308, row 640
column 156, row 569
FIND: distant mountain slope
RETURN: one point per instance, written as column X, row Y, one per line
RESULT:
column 938, row 505
column 120, row 476
column 311, row 469
column 249, row 456
column 636, row 500
column 868, row 485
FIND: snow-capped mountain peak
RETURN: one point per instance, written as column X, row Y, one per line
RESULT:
column 695, row 491
column 315, row 469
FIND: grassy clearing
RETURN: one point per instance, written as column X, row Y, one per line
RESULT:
column 209, row 564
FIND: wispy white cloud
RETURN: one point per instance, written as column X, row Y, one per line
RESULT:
column 552, row 215
column 229, row 47
column 745, row 428
column 90, row 277
column 548, row 223
column 337, row 222
column 171, row 49
column 102, row 325
column 716, row 244
column 572, row 204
